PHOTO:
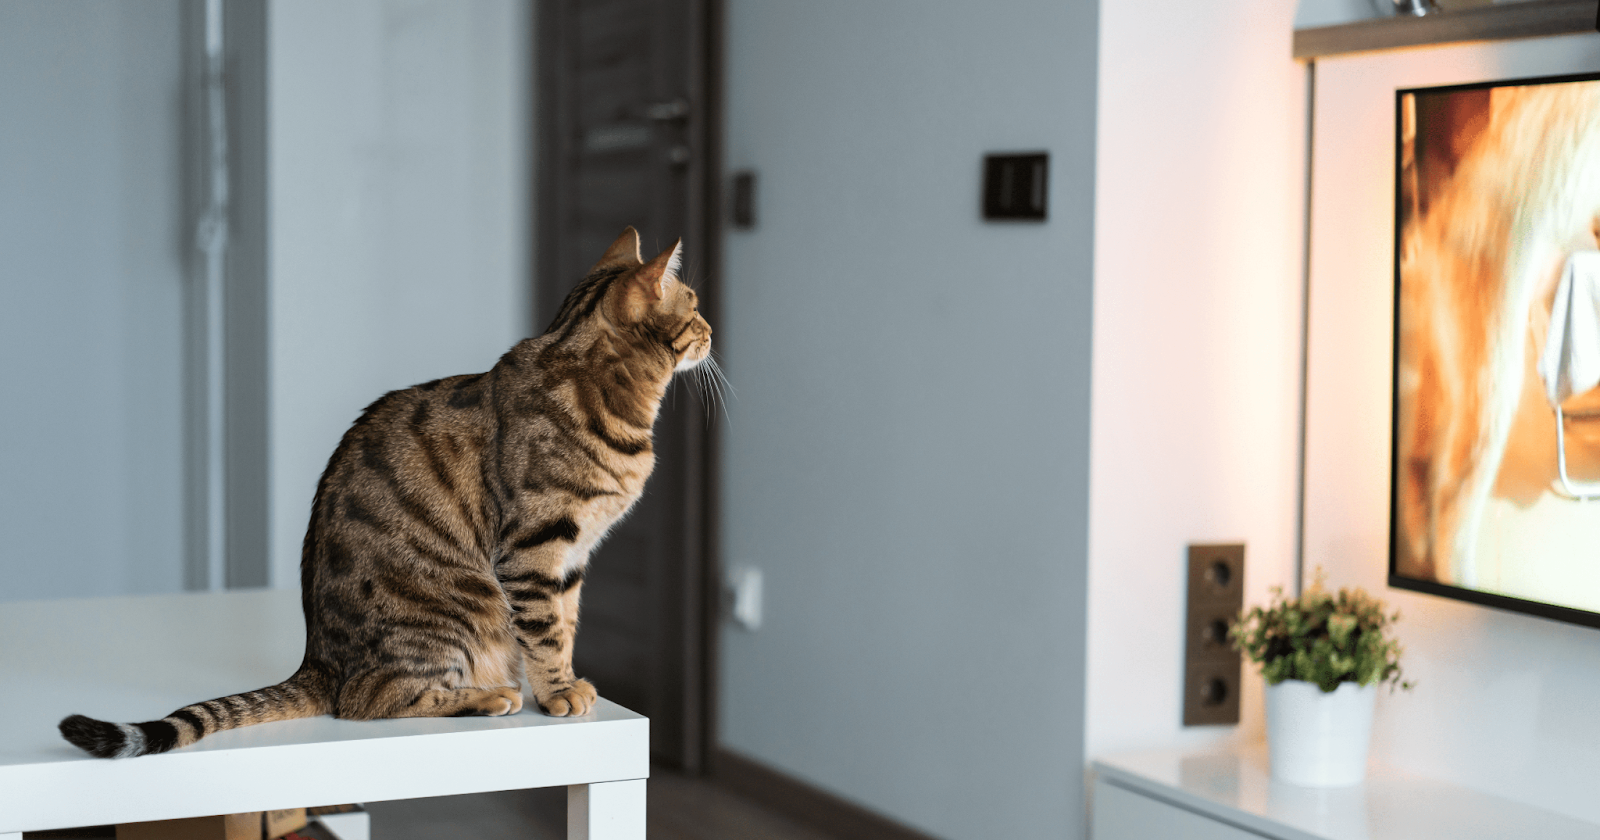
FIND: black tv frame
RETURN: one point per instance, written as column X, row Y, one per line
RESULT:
column 1540, row 609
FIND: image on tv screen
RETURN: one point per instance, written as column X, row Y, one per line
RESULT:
column 1496, row 480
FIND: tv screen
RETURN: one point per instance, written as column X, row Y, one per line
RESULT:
column 1495, row 493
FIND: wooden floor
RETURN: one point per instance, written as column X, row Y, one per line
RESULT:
column 680, row 808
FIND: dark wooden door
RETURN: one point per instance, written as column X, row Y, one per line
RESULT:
column 626, row 116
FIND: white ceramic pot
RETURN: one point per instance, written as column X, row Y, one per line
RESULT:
column 1319, row 739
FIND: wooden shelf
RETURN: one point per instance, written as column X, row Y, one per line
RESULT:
column 1483, row 23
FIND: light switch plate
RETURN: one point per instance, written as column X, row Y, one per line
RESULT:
column 1016, row 187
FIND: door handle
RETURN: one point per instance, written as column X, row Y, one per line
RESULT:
column 672, row 109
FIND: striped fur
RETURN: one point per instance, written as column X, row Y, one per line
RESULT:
column 302, row 695
column 451, row 530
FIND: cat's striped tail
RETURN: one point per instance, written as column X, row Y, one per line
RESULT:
column 306, row 694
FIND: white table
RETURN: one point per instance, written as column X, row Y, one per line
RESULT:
column 139, row 658
column 1230, row 795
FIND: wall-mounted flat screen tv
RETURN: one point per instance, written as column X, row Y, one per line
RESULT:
column 1495, row 495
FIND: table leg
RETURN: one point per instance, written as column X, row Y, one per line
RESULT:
column 605, row 811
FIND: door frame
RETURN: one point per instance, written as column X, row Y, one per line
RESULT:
column 226, row 491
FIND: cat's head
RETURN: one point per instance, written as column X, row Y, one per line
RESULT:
column 648, row 301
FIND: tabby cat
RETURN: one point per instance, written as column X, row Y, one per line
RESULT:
column 450, row 532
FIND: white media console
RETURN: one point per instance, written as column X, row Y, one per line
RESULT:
column 1230, row 795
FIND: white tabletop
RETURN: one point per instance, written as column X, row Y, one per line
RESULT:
column 1236, row 787
column 135, row 659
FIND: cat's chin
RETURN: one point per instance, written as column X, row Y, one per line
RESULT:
column 689, row 363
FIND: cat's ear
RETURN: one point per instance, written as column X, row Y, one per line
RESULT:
column 656, row 275
column 623, row 253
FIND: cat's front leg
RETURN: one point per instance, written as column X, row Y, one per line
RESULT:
column 549, row 664
column 544, row 605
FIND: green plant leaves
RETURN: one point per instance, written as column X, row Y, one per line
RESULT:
column 1321, row 637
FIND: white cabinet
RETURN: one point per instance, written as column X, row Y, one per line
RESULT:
column 1229, row 795
column 1121, row 814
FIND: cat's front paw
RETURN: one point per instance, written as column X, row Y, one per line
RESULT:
column 504, row 701
column 575, row 699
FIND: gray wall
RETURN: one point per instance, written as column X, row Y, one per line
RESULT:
column 906, row 458
column 399, row 222
column 1311, row 13
column 92, row 244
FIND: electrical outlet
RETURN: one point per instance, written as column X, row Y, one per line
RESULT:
column 744, row 597
column 1211, row 667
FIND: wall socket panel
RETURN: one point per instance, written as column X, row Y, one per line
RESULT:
column 1210, row 665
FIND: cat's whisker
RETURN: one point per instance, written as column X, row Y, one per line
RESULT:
column 719, row 384
column 716, row 384
column 721, row 378
column 698, row 374
column 707, row 397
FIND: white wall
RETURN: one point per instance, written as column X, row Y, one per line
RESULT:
column 92, row 249
column 1504, row 703
column 1197, row 339
column 906, row 455
column 399, row 161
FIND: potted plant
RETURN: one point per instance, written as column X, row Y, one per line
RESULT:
column 1323, row 655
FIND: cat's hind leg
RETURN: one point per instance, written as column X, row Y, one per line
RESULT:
column 387, row 695
column 464, row 702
